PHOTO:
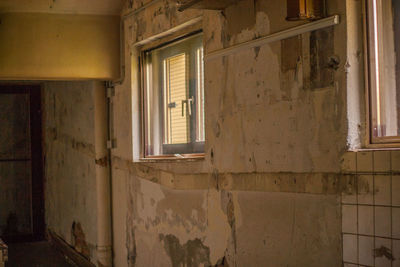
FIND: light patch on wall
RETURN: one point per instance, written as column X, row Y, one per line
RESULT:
column 151, row 195
column 218, row 230
column 43, row 46
column 99, row 7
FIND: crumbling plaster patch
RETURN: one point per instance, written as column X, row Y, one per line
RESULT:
column 185, row 215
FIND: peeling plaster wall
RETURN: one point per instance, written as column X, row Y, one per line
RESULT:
column 70, row 168
column 272, row 197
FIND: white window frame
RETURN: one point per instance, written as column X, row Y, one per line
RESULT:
column 160, row 42
column 371, row 72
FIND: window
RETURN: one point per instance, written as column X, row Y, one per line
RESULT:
column 383, row 31
column 173, row 98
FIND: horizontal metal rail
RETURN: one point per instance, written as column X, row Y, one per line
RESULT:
column 308, row 27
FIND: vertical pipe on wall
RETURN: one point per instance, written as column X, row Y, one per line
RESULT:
column 103, row 189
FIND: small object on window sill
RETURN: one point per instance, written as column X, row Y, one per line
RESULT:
column 179, row 156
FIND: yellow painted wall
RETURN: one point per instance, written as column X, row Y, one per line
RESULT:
column 57, row 46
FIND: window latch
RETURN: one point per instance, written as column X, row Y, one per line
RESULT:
column 172, row 105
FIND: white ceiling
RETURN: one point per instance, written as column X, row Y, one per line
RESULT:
column 96, row 7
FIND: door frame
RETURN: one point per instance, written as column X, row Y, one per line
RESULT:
column 37, row 158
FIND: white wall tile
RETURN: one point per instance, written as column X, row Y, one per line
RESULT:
column 350, row 248
column 383, row 221
column 396, row 190
column 396, row 160
column 382, row 190
column 364, row 162
column 349, row 196
column 382, row 161
column 366, row 220
column 396, row 253
column 396, row 223
column 382, row 247
column 349, row 162
column 349, row 219
column 365, row 189
column 366, row 250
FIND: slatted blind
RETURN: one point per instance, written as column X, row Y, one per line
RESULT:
column 178, row 129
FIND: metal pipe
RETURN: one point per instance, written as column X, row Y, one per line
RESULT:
column 103, row 189
column 109, row 155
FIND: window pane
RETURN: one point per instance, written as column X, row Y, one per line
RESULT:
column 177, row 131
column 384, row 27
column 173, row 92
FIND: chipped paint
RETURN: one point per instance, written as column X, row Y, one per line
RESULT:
column 79, row 240
column 70, row 164
column 191, row 254
column 288, row 144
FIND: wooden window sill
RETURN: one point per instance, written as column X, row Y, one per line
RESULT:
column 174, row 158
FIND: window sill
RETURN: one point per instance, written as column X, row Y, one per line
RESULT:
column 174, row 158
column 378, row 147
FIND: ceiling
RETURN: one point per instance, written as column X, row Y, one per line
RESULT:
column 95, row 7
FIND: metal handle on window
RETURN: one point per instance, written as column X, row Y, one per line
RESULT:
column 183, row 107
column 188, row 103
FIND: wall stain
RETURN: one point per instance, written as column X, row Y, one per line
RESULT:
column 222, row 263
column 256, row 52
column 321, row 51
column 229, row 209
column 102, row 161
column 79, row 240
column 191, row 254
column 383, row 252
column 82, row 147
column 363, row 185
column 131, row 241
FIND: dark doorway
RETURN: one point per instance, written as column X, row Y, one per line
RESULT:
column 21, row 164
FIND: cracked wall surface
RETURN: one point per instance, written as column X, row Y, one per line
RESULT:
column 268, row 190
column 70, row 165
column 276, row 185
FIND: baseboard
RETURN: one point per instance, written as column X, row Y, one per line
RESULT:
column 68, row 251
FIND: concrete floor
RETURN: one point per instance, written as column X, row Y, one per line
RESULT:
column 38, row 254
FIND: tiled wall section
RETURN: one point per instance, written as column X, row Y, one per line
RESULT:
column 371, row 215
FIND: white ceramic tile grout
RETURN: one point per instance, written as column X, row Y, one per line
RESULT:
column 382, row 205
